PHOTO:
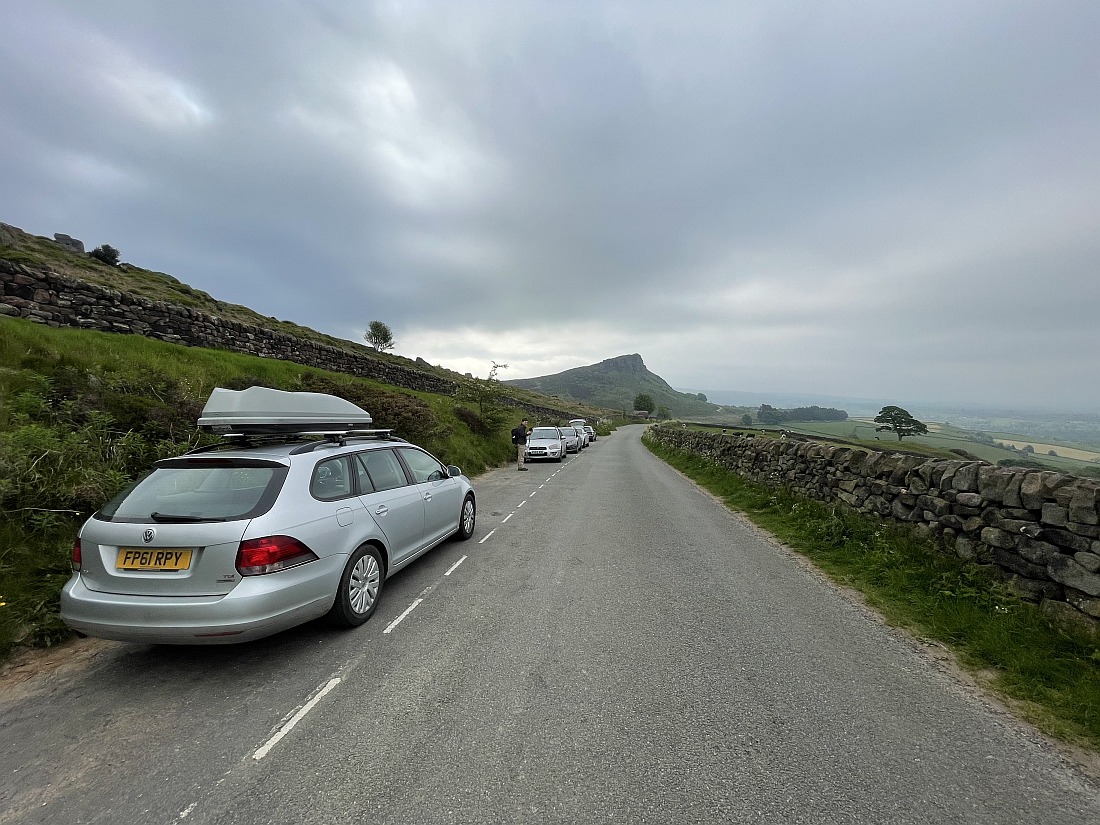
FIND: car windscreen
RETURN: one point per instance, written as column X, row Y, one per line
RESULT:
column 184, row 490
column 545, row 432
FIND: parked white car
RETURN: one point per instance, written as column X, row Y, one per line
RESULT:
column 545, row 443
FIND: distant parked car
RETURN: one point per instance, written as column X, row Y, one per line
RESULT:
column 545, row 442
column 581, row 434
column 264, row 532
column 571, row 440
column 591, row 432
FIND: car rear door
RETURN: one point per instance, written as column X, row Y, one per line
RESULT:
column 394, row 503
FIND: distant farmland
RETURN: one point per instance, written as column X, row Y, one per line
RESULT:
column 1069, row 458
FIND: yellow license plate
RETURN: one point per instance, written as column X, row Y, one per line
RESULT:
column 164, row 558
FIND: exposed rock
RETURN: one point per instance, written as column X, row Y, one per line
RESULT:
column 71, row 244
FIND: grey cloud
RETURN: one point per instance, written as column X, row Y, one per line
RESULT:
column 843, row 198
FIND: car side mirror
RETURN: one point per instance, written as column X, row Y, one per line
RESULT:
column 454, row 471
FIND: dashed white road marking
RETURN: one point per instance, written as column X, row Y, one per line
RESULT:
column 456, row 564
column 265, row 749
column 401, row 618
column 487, row 536
column 507, row 517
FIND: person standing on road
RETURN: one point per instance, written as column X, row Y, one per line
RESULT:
column 519, row 438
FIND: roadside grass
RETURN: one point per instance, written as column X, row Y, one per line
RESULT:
column 1048, row 674
column 83, row 414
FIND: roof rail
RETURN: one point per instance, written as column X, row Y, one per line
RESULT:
column 235, row 441
column 341, row 438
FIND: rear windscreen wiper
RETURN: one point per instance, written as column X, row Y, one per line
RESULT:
column 181, row 519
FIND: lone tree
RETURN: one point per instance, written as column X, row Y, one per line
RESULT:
column 487, row 394
column 900, row 422
column 379, row 336
column 106, row 253
column 644, row 402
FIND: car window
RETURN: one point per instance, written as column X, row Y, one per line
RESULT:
column 422, row 466
column 209, row 488
column 383, row 468
column 331, row 479
column 366, row 485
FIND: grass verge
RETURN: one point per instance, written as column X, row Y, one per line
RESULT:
column 1047, row 674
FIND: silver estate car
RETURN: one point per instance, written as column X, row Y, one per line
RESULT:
column 545, row 442
column 582, row 436
column 237, row 542
column 570, row 439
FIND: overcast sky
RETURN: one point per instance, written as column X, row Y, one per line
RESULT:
column 893, row 200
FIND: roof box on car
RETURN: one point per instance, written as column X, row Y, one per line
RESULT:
column 261, row 411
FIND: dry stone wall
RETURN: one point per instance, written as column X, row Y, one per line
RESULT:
column 60, row 301
column 57, row 300
column 1041, row 530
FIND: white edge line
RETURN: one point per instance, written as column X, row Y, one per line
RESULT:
column 455, row 566
column 520, row 504
column 506, row 518
column 401, row 618
column 532, row 494
column 294, row 720
column 487, row 537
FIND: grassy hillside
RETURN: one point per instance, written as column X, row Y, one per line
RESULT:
column 83, row 414
column 614, row 384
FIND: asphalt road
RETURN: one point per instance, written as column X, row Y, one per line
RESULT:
column 611, row 646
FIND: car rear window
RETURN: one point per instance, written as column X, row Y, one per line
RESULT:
column 383, row 470
column 186, row 490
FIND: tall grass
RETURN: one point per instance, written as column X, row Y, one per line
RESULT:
column 1048, row 673
column 82, row 414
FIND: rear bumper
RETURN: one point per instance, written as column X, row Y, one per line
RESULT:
column 258, row 606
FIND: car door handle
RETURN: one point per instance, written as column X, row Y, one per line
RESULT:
column 427, row 497
column 381, row 510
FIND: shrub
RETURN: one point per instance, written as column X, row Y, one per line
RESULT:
column 472, row 420
column 107, row 254
column 404, row 413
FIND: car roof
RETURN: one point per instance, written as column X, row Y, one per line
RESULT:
column 286, row 447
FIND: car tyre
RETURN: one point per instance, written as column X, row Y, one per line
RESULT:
column 360, row 588
column 467, row 519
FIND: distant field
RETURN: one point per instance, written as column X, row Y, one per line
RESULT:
column 944, row 437
column 1062, row 450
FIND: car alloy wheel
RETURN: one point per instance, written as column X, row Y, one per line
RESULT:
column 360, row 588
column 467, row 519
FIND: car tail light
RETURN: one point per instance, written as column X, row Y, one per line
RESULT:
column 77, row 559
column 271, row 554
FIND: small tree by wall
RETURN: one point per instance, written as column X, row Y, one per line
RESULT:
column 486, row 394
column 379, row 336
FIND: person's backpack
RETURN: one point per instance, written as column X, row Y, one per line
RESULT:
column 516, row 435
